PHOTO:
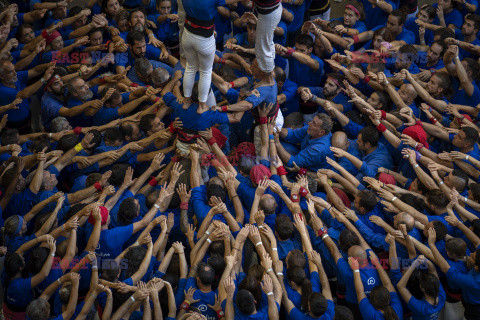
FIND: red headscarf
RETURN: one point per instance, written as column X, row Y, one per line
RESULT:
column 418, row 134
column 259, row 172
column 103, row 213
column 343, row 196
column 50, row 37
column 386, row 178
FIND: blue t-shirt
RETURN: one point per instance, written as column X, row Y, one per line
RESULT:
column 369, row 312
column 112, row 240
column 202, row 10
column 423, row 310
column 328, row 315
column 7, row 95
column 206, row 298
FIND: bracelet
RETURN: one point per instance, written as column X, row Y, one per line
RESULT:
column 208, row 240
column 78, row 147
column 290, row 51
column 263, row 120
column 281, row 171
column 295, row 197
column 207, row 233
column 171, row 128
column 440, row 183
column 270, row 294
column 275, row 249
column 211, row 141
column 355, row 271
column 466, row 199
column 132, row 298
column 224, row 108
column 279, row 274
column 184, row 205
column 415, row 165
column 393, row 199
column 156, row 206
column 153, row 182
column 313, row 98
column 59, row 280
column 258, row 243
column 356, row 39
column 50, row 135
column 466, row 158
column 77, row 130
column 325, row 236
column 185, row 305
column 52, row 254
column 381, row 127
column 367, row 80
column 269, row 270
column 232, row 84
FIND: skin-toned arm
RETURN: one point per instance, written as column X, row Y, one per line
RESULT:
column 43, row 274
column 402, row 284
column 357, row 279
column 438, row 258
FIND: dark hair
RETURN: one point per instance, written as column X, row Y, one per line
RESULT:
column 399, row 14
column 133, row 36
column 41, row 143
column 97, row 139
column 134, row 256
column 437, row 198
column 475, row 18
column 293, row 120
column 343, row 313
column 476, row 227
column 440, row 229
column 413, row 201
column 283, row 227
column 296, row 258
column 444, row 81
column 146, row 122
column 9, row 136
column 475, row 189
column 304, row 39
column 474, row 68
column 370, row 135
column 297, row 275
column 385, row 100
column 380, row 300
column 317, row 304
column 127, row 211
column 279, row 74
column 245, row 302
column 110, row 270
column 205, row 273
column 217, row 262
column 252, row 284
column 13, row 264
column 20, row 29
column 359, row 7
column 384, row 33
column 339, row 77
column 67, row 142
column 118, row 173
column 462, row 175
column 347, row 239
column 126, row 129
column 214, row 189
column 471, row 135
column 430, row 284
column 456, row 247
column 430, row 10
column 112, row 135
column 444, row 33
column 367, row 200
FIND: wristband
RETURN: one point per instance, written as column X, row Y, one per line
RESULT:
column 156, row 206
column 98, row 186
column 153, row 182
column 258, row 243
column 222, row 61
column 224, row 108
column 381, row 127
column 303, row 192
column 384, row 114
column 271, row 137
column 355, row 271
column 269, row 270
column 156, row 99
column 281, row 171
column 393, row 199
column 59, row 280
column 415, row 165
column 50, row 135
column 263, row 120
column 207, row 232
column 209, row 241
column 322, row 231
column 367, row 79
column 279, row 274
column 275, row 249
column 211, row 141
column 171, row 128
column 295, row 198
column 313, row 98
column 174, row 159
column 467, row 157
column 78, row 147
column 419, row 146
column 270, row 294
column 302, row 172
column 440, row 183
column 290, row 51
column 134, row 84
column 325, row 236
column 433, row 120
column 465, row 199
column 102, row 80
column 220, row 314
column 184, row 205
column 52, row 254
column 418, row 156
column 77, row 130
column 185, row 305
column 232, row 84
column 356, row 39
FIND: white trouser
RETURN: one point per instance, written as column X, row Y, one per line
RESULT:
column 264, row 46
column 200, row 52
column 452, row 311
column 323, row 16
column 181, row 23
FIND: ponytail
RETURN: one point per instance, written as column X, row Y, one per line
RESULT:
column 306, row 292
column 430, row 285
column 389, row 313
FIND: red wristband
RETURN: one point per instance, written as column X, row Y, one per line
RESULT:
column 224, row 108
column 134, row 84
column 263, row 120
column 381, row 128
column 171, row 128
column 185, row 305
column 367, row 79
column 384, row 114
column 303, row 192
column 290, row 51
column 433, row 120
column 44, row 34
column 184, row 205
column 356, row 39
column 98, row 186
column 102, row 80
column 232, row 84
column 281, row 171
column 77, row 130
column 222, row 61
column 153, row 182
column 157, row 98
column 322, row 231
column 211, row 141
column 174, row 159
column 220, row 314
column 302, row 171
column 295, row 198
column 419, row 146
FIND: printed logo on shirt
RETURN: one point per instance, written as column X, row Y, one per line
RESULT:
column 371, row 281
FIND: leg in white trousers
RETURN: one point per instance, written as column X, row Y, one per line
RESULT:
column 323, row 16
column 181, row 23
column 452, row 311
column 264, row 46
column 200, row 53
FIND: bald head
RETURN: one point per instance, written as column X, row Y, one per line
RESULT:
column 340, row 140
column 404, row 218
column 357, row 252
column 267, row 204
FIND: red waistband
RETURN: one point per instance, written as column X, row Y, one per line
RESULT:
column 196, row 26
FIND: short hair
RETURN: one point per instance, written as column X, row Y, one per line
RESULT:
column 127, row 211
column 473, row 67
column 347, row 239
column 118, row 173
column 293, row 120
column 146, row 122
column 133, row 36
column 217, row 191
column 385, row 100
column 440, row 229
column 58, row 124
column 92, row 178
column 327, row 123
column 399, row 14
column 304, row 39
column 67, row 142
column 279, row 74
column 296, row 258
column 142, row 66
column 471, row 135
column 318, row 304
column 283, row 227
column 126, row 129
column 160, row 75
column 430, row 10
column 245, row 302
column 409, row 51
column 205, row 273
column 137, row 9
column 343, row 313
column 9, row 136
column 462, row 175
column 38, row 309
column 112, row 135
column 475, row 189
column 115, row 95
column 384, row 33
column 95, row 30
column 444, row 33
column 367, row 200
column 475, row 18
column 370, row 135
column 456, row 247
column 74, row 11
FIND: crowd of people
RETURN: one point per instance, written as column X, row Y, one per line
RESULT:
column 239, row 159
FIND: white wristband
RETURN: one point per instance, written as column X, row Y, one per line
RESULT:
column 415, row 165
column 393, row 199
column 274, row 249
column 269, row 270
column 325, row 236
column 59, row 281
column 209, row 241
column 50, row 135
column 258, row 243
column 156, row 206
column 466, row 158
column 279, row 274
column 52, row 254
column 466, row 199
column 355, row 271
column 207, row 232
column 440, row 183
column 132, row 298
column 270, row 294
